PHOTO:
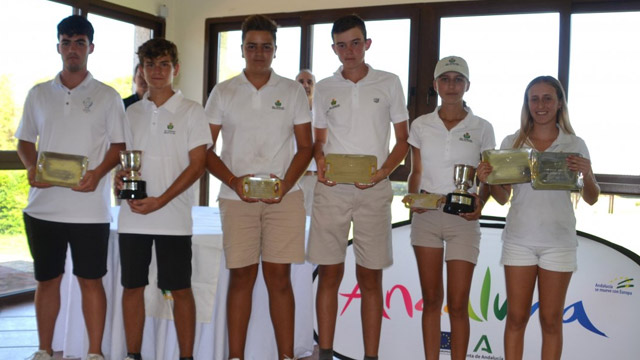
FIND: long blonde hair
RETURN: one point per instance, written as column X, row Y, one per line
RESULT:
column 526, row 120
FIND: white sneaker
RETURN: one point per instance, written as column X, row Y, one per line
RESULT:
column 41, row 355
column 129, row 358
column 95, row 357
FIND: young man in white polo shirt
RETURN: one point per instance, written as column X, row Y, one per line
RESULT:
column 173, row 135
column 259, row 115
column 71, row 114
column 353, row 110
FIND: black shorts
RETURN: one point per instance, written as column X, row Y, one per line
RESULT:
column 173, row 257
column 48, row 241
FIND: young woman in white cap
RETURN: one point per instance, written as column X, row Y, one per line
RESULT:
column 539, row 239
column 450, row 135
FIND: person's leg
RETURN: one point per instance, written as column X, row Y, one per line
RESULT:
column 89, row 244
column 552, row 291
column 184, row 313
column 329, row 279
column 135, row 257
column 370, row 283
column 520, row 282
column 48, row 246
column 133, row 314
column 277, row 278
column 459, row 275
column 429, row 261
column 94, row 309
column 239, row 297
column 47, row 305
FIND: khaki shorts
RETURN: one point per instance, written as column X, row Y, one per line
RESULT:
column 274, row 232
column 435, row 228
column 334, row 208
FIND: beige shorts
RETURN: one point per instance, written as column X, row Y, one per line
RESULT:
column 334, row 208
column 435, row 228
column 274, row 232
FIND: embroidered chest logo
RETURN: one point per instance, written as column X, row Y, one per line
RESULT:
column 466, row 137
column 170, row 130
column 376, row 100
column 277, row 105
column 334, row 104
column 87, row 103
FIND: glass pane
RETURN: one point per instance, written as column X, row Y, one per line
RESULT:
column 603, row 88
column 16, row 264
column 286, row 63
column 389, row 49
column 114, row 57
column 504, row 53
column 33, row 57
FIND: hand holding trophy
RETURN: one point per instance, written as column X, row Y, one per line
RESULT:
column 460, row 201
column 133, row 186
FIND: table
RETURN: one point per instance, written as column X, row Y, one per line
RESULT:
column 209, row 282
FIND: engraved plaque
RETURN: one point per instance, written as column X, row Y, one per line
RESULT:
column 261, row 188
column 509, row 166
column 549, row 171
column 349, row 169
column 60, row 169
column 424, row 201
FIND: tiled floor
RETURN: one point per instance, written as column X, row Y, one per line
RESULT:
column 18, row 333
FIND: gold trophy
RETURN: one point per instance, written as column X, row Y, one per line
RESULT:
column 60, row 169
column 350, row 169
column 460, row 201
column 260, row 187
column 134, row 187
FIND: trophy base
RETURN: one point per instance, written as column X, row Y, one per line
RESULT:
column 133, row 190
column 458, row 203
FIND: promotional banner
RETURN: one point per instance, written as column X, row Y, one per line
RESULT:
column 601, row 317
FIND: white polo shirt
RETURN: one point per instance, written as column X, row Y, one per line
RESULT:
column 358, row 115
column 165, row 135
column 257, row 125
column 543, row 217
column 84, row 121
column 441, row 149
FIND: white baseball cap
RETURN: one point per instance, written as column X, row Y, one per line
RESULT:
column 451, row 63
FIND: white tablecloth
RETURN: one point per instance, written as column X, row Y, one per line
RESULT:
column 209, row 281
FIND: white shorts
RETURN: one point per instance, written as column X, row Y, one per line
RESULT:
column 549, row 258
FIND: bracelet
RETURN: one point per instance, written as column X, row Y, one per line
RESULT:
column 230, row 180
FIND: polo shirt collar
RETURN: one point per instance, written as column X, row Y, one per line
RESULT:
column 171, row 105
column 58, row 82
column 273, row 79
column 369, row 75
column 468, row 120
column 562, row 138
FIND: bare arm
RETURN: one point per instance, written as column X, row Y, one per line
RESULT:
column 91, row 178
column 218, row 168
column 29, row 157
column 320, row 136
column 398, row 153
column 501, row 193
column 413, row 181
column 300, row 161
column 187, row 177
column 591, row 190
